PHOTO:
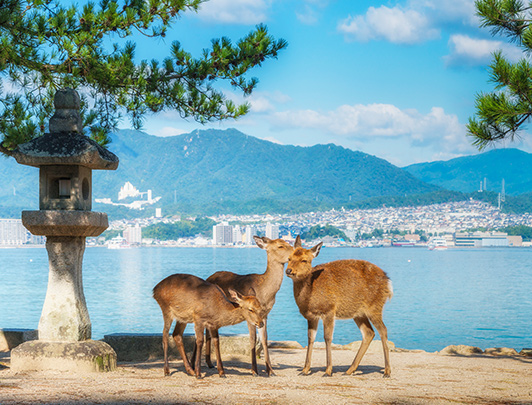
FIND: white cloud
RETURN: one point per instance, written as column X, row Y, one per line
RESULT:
column 390, row 24
column 234, row 11
column 260, row 101
column 363, row 123
column 473, row 51
column 312, row 10
column 307, row 16
column 462, row 11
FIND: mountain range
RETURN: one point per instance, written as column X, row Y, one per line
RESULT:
column 208, row 171
column 466, row 173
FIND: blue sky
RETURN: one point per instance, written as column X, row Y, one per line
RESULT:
column 394, row 79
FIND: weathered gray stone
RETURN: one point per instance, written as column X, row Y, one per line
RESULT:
column 141, row 347
column 66, row 117
column 65, row 223
column 64, row 315
column 86, row 356
column 501, row 351
column 11, row 338
column 66, row 158
column 65, row 144
column 65, row 149
column 461, row 350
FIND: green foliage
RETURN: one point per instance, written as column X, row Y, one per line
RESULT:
column 519, row 230
column 502, row 113
column 212, row 172
column 376, row 233
column 180, row 229
column 45, row 46
column 111, row 233
column 318, row 232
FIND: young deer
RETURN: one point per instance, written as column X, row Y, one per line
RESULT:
column 341, row 289
column 265, row 285
column 186, row 298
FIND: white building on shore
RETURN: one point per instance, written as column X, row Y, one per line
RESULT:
column 13, row 233
column 249, row 233
column 133, row 234
column 222, row 234
column 272, row 231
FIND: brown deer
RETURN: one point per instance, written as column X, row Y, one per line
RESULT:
column 186, row 298
column 265, row 285
column 341, row 289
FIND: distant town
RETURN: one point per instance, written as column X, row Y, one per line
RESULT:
column 457, row 224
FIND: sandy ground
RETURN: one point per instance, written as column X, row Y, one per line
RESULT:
column 417, row 378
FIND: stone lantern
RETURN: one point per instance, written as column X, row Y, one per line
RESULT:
column 65, row 158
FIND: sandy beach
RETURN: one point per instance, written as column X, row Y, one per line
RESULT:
column 417, row 378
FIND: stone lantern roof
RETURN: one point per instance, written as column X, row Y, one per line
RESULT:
column 65, row 144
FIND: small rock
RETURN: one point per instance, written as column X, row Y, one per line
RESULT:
column 461, row 350
column 526, row 352
column 501, row 351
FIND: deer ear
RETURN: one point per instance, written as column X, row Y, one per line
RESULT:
column 297, row 243
column 236, row 297
column 316, row 249
column 261, row 242
column 252, row 292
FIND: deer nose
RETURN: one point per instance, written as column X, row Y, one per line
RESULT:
column 261, row 324
column 288, row 271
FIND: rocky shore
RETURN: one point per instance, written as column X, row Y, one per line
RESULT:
column 457, row 374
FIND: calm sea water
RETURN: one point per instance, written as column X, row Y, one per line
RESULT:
column 480, row 297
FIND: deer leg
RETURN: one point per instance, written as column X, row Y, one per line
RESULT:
column 199, row 345
column 219, row 364
column 166, row 336
column 312, row 329
column 208, row 349
column 253, row 344
column 178, row 338
column 328, row 329
column 383, row 333
column 263, row 333
column 193, row 358
column 367, row 336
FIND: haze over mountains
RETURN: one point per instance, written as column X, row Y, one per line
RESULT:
column 228, row 168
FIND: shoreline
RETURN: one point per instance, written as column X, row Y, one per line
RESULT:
column 254, row 246
column 417, row 377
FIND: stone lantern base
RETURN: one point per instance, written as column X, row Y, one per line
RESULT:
column 85, row 356
column 64, row 327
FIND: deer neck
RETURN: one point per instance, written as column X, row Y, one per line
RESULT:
column 231, row 316
column 302, row 290
column 272, row 277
